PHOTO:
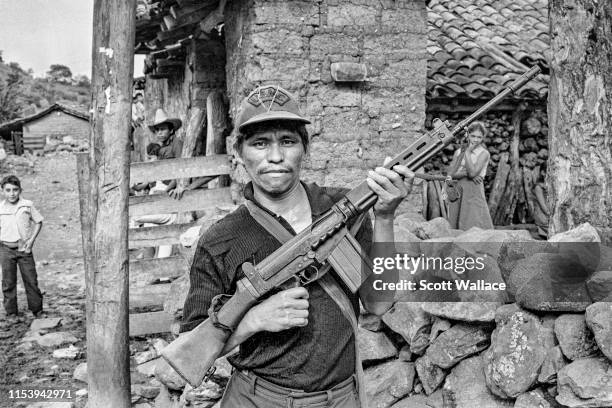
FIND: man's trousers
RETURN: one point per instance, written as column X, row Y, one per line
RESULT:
column 246, row 390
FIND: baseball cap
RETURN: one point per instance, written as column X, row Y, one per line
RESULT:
column 268, row 103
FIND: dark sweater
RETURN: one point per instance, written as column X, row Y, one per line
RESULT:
column 311, row 358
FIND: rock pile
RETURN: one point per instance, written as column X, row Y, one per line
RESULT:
column 523, row 348
column 66, row 144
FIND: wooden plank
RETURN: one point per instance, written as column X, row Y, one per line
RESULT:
column 191, row 201
column 150, row 323
column 146, row 271
column 154, row 236
column 150, row 297
column 170, row 63
column 185, row 167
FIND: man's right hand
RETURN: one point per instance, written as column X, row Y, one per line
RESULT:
column 282, row 311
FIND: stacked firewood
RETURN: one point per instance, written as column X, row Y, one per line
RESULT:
column 518, row 144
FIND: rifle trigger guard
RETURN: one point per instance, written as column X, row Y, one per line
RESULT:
column 306, row 277
column 215, row 305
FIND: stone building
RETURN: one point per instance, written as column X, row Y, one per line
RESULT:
column 440, row 58
column 197, row 47
column 54, row 125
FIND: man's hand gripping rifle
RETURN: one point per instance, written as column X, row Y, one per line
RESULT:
column 302, row 259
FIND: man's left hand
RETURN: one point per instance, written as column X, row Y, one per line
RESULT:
column 391, row 187
column 177, row 192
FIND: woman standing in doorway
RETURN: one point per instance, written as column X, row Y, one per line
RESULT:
column 469, row 167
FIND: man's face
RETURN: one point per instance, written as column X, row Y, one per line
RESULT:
column 11, row 192
column 162, row 132
column 273, row 159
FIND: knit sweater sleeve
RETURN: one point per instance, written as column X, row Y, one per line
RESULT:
column 206, row 282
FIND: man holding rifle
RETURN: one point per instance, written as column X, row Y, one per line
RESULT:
column 297, row 346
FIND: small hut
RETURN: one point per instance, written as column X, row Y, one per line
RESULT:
column 54, row 125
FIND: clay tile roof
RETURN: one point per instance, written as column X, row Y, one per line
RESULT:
column 477, row 47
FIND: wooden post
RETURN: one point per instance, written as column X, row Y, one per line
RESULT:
column 511, row 194
column 499, row 185
column 580, row 125
column 216, row 130
column 108, row 364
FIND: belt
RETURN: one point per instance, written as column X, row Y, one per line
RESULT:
column 266, row 388
column 12, row 245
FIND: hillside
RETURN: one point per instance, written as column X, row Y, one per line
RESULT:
column 33, row 94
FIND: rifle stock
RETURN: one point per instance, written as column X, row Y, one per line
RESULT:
column 194, row 353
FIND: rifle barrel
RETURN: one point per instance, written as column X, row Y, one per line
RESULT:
column 513, row 87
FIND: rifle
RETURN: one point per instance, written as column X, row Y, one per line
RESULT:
column 299, row 260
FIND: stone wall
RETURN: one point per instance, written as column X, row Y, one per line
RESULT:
column 293, row 43
column 533, row 344
column 54, row 127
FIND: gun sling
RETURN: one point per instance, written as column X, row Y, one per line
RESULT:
column 327, row 282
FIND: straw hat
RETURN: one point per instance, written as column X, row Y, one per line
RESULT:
column 268, row 103
column 162, row 117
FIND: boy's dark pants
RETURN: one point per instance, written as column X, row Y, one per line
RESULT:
column 9, row 259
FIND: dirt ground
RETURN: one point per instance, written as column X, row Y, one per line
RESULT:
column 51, row 184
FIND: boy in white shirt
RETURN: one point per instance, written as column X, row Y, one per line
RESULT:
column 20, row 224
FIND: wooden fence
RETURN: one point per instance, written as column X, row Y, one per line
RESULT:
column 150, row 279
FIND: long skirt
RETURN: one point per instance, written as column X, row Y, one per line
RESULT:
column 471, row 209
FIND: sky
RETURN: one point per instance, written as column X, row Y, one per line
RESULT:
column 38, row 33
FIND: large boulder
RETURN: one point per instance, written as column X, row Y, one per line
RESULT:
column 388, row 383
column 516, row 354
column 550, row 282
column 370, row 322
column 374, row 346
column 55, row 339
column 535, row 398
column 493, row 238
column 204, row 396
column 575, row 338
column 464, row 311
column 167, row 376
column 586, row 383
column 410, row 321
column 582, row 233
column 434, row 228
column 466, row 387
column 458, row 343
column 80, row 372
column 45, row 324
column 599, row 319
column 553, row 362
column 431, row 375
column 414, row 401
column 599, row 285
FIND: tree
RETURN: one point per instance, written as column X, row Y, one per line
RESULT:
column 579, row 106
column 82, row 80
column 59, row 73
column 10, row 91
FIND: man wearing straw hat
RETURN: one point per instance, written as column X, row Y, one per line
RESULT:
column 169, row 146
column 297, row 347
column 164, row 128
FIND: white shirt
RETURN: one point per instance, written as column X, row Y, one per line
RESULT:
column 17, row 220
